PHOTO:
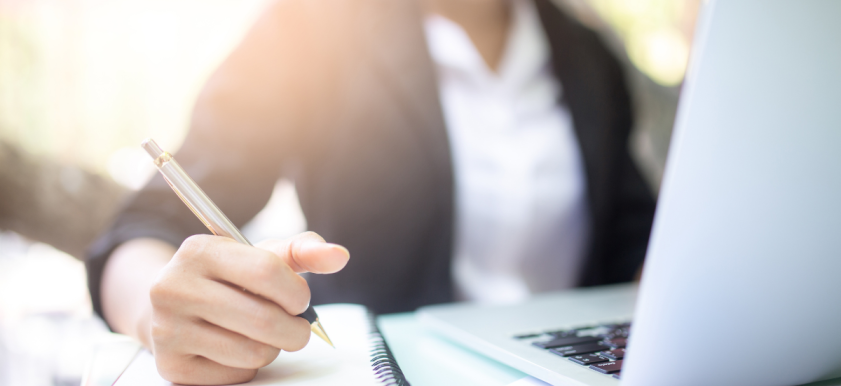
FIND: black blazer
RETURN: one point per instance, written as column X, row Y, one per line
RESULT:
column 340, row 95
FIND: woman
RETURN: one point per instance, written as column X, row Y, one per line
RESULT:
column 461, row 149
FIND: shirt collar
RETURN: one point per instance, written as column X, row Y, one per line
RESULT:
column 526, row 50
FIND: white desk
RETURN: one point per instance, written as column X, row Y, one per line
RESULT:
column 426, row 359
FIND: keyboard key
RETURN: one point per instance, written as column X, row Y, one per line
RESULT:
column 616, row 342
column 620, row 333
column 526, row 336
column 607, row 367
column 567, row 341
column 562, row 333
column 566, row 351
column 588, row 359
column 616, row 354
column 601, row 332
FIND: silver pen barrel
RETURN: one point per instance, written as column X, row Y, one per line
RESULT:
column 192, row 195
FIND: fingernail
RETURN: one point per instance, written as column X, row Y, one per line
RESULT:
column 339, row 247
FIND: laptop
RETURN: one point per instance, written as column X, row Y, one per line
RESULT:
column 742, row 278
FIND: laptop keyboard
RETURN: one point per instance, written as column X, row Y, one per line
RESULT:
column 601, row 347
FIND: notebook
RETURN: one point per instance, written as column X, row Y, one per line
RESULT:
column 361, row 357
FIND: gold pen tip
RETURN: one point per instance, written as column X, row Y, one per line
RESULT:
column 318, row 329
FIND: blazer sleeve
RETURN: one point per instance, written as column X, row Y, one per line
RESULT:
column 245, row 126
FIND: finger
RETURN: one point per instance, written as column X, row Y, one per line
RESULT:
column 251, row 316
column 226, row 347
column 257, row 270
column 308, row 252
column 197, row 370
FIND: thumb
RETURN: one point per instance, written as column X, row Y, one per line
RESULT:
column 308, row 252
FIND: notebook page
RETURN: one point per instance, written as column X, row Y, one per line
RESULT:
column 317, row 364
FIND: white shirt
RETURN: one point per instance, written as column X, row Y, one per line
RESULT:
column 522, row 222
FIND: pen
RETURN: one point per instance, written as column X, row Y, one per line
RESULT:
column 209, row 214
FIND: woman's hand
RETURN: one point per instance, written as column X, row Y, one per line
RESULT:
column 221, row 310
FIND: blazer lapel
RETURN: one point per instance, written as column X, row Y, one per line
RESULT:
column 396, row 46
column 583, row 92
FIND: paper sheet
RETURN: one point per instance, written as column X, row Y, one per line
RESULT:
column 317, row 364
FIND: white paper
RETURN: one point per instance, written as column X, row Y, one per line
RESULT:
column 317, row 364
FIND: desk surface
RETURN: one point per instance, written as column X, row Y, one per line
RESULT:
column 426, row 358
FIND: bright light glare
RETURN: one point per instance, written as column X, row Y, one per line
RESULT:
column 656, row 33
column 43, row 281
column 130, row 167
column 662, row 54
column 80, row 79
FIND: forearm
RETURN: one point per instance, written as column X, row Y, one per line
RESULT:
column 126, row 281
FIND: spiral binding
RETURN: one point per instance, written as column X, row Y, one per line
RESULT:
column 385, row 367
